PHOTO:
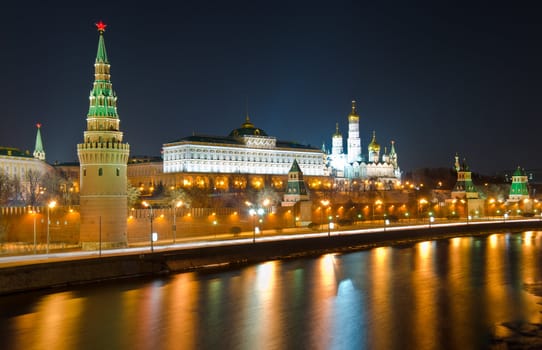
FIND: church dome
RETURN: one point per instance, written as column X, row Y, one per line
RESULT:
column 247, row 129
column 374, row 146
column 353, row 116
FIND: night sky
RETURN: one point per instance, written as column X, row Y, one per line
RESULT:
column 437, row 80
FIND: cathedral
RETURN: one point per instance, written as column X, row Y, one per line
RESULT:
column 375, row 170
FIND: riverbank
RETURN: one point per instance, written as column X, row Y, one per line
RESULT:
column 64, row 272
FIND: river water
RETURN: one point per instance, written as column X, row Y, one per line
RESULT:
column 448, row 294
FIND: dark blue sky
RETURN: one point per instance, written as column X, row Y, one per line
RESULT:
column 435, row 79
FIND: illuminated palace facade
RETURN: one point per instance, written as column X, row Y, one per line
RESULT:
column 374, row 170
column 16, row 163
column 246, row 150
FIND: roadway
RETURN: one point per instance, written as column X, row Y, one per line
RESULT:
column 224, row 239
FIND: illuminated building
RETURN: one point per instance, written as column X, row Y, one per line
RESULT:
column 518, row 188
column 355, row 165
column 103, row 158
column 246, row 150
column 17, row 164
column 296, row 190
column 464, row 187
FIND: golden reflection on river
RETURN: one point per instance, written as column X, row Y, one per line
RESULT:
column 59, row 311
column 451, row 294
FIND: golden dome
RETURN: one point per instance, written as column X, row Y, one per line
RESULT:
column 353, row 116
column 374, row 146
column 247, row 128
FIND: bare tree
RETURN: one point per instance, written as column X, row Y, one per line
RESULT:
column 268, row 194
column 178, row 195
column 32, row 189
column 7, row 189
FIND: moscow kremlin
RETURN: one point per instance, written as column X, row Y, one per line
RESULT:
column 220, row 180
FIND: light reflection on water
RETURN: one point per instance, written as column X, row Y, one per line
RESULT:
column 447, row 294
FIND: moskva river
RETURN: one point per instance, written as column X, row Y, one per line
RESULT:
column 460, row 293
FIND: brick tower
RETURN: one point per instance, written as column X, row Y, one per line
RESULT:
column 103, row 158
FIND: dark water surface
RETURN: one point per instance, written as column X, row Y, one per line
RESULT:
column 448, row 294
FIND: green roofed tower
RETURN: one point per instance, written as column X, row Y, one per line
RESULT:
column 103, row 159
column 296, row 190
column 519, row 190
column 39, row 152
column 464, row 187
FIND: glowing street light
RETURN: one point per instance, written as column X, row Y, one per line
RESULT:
column 151, row 217
column 174, row 228
column 34, row 213
column 252, row 213
column 50, row 206
column 325, row 204
column 377, row 202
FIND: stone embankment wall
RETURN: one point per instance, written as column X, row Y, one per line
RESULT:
column 50, row 273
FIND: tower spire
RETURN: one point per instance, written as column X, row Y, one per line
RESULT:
column 246, row 108
column 39, row 152
column 103, row 100
column 101, row 55
column 392, row 150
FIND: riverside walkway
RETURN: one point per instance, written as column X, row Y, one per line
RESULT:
column 247, row 238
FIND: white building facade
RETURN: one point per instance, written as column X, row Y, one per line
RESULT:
column 380, row 168
column 247, row 150
column 17, row 164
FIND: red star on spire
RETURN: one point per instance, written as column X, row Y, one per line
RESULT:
column 38, row 125
column 101, row 26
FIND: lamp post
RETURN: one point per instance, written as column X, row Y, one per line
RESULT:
column 50, row 206
column 33, row 212
column 151, row 217
column 422, row 202
column 174, row 227
column 264, row 210
column 377, row 202
column 325, row 203
column 260, row 212
column 252, row 213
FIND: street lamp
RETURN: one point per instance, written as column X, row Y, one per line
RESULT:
column 174, row 228
column 377, row 202
column 260, row 213
column 252, row 213
column 50, row 206
column 325, row 203
column 420, row 208
column 151, row 217
column 34, row 213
